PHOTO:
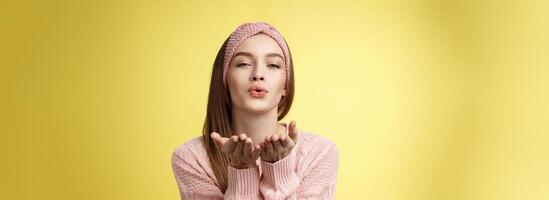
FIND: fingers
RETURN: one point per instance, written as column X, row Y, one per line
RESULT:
column 240, row 145
column 289, row 143
column 256, row 151
column 263, row 150
column 238, row 149
column 288, row 140
column 284, row 139
column 231, row 144
column 247, row 147
column 277, row 146
column 292, row 132
column 268, row 145
column 218, row 140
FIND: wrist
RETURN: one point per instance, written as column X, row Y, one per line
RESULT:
column 270, row 160
column 243, row 166
column 276, row 158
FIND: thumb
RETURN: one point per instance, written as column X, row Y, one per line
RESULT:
column 256, row 151
column 218, row 140
column 293, row 130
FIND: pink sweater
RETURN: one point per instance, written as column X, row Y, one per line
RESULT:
column 309, row 172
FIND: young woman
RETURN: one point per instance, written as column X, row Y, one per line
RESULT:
column 244, row 151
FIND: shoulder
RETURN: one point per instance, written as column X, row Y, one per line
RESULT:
column 192, row 149
column 192, row 156
column 315, row 145
column 309, row 139
column 316, row 153
column 191, row 166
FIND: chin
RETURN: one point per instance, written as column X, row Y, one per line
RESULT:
column 259, row 108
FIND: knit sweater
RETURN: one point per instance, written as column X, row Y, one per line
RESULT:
column 308, row 172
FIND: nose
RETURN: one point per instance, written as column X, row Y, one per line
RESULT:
column 257, row 77
column 257, row 74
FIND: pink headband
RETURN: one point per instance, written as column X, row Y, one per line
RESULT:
column 246, row 30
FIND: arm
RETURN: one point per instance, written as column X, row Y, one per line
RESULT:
column 243, row 184
column 195, row 183
column 280, row 180
column 320, row 181
column 192, row 180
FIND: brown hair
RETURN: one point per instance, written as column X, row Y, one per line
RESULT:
column 219, row 118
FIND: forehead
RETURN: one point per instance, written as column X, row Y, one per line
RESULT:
column 259, row 44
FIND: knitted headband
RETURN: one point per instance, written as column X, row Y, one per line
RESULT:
column 246, row 30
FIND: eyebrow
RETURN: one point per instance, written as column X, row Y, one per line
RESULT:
column 243, row 53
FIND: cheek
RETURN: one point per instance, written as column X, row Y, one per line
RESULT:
column 279, row 86
column 234, row 80
column 236, row 75
column 282, row 80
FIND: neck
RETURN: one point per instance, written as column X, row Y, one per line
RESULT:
column 256, row 125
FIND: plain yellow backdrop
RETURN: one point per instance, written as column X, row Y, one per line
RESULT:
column 424, row 99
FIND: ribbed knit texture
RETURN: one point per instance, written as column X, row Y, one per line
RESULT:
column 246, row 30
column 309, row 172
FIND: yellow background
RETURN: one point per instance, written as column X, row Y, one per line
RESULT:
column 424, row 99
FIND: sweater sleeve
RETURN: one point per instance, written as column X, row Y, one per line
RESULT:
column 280, row 180
column 243, row 183
column 320, row 181
column 194, row 182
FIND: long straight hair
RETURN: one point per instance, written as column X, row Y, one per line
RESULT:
column 219, row 118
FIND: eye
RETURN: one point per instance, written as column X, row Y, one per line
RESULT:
column 274, row 65
column 242, row 64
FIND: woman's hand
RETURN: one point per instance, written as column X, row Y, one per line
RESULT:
column 276, row 147
column 242, row 154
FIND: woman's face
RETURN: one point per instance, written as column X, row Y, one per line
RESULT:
column 257, row 62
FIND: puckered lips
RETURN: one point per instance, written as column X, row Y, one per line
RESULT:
column 257, row 91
